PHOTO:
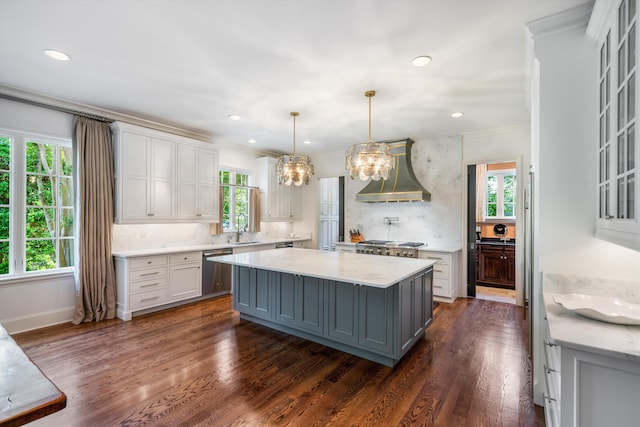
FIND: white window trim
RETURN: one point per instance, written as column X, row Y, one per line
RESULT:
column 17, row 227
column 500, row 194
column 232, row 206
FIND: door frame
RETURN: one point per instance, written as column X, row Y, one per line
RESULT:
column 522, row 180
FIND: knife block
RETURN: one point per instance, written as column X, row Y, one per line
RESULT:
column 358, row 238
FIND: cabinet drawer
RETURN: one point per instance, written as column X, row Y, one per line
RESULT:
column 147, row 273
column 186, row 257
column 151, row 261
column 147, row 299
column 441, row 287
column 148, row 285
column 439, row 257
column 441, row 271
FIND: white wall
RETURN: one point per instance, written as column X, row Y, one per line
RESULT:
column 437, row 165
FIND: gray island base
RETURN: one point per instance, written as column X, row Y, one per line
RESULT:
column 373, row 307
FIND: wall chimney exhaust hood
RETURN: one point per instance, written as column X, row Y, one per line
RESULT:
column 402, row 185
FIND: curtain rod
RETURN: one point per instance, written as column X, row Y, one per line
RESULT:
column 56, row 108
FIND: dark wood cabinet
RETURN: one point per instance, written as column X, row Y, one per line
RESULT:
column 497, row 265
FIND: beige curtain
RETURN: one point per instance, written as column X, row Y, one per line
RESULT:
column 93, row 180
column 254, row 213
column 481, row 182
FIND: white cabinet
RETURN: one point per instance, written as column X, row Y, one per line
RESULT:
column 588, row 389
column 197, row 184
column 301, row 244
column 147, row 282
column 446, row 273
column 279, row 202
column 345, row 247
column 162, row 178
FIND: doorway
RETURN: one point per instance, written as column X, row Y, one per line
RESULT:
column 331, row 215
column 492, row 231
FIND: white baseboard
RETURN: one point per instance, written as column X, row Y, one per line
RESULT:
column 39, row 320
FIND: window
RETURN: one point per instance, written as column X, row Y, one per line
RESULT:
column 617, row 151
column 500, row 194
column 36, row 204
column 235, row 210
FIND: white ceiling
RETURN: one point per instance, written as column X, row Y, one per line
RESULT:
column 192, row 63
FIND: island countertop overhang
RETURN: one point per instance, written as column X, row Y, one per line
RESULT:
column 360, row 269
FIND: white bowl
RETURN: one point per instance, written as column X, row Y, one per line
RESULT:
column 605, row 309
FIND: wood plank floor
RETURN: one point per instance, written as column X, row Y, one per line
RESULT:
column 200, row 365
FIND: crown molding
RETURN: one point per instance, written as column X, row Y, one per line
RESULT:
column 570, row 19
column 602, row 10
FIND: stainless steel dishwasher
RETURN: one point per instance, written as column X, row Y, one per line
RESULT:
column 216, row 276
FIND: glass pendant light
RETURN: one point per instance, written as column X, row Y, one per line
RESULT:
column 369, row 159
column 294, row 168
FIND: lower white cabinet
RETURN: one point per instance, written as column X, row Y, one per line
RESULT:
column 146, row 282
column 588, row 389
column 345, row 247
column 446, row 273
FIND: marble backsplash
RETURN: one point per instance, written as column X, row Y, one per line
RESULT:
column 437, row 163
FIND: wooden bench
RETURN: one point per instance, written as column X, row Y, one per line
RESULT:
column 26, row 394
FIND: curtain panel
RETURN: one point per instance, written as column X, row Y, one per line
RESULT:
column 94, row 188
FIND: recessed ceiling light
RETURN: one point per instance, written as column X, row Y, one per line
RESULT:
column 307, row 142
column 421, row 61
column 56, row 54
column 234, row 117
column 252, row 141
column 457, row 114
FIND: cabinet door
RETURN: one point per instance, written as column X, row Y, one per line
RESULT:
column 163, row 177
column 136, row 176
column 207, row 193
column 300, row 302
column 427, row 298
column 185, row 281
column 376, row 319
column 510, row 265
column 343, row 312
column 242, row 283
column 252, row 291
column 407, row 314
column 187, row 182
column 491, row 264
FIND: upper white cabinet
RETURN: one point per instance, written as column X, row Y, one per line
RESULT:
column 279, row 202
column 618, row 154
column 162, row 178
column 197, row 184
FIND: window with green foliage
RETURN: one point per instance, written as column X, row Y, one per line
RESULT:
column 501, row 194
column 36, row 204
column 235, row 210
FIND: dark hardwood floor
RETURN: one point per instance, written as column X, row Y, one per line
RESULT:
column 200, row 365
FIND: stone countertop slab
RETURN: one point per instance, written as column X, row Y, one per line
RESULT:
column 572, row 330
column 348, row 267
column 191, row 248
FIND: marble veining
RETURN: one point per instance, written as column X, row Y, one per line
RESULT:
column 377, row 271
column 572, row 330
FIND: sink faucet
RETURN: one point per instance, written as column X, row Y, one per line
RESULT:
column 240, row 230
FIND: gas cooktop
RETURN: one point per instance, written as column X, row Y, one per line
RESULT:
column 392, row 243
column 389, row 247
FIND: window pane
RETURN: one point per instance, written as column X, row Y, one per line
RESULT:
column 622, row 70
column 65, row 192
column 66, row 161
column 631, row 97
column 41, row 255
column 622, row 20
column 621, row 159
column 40, row 223
column 39, row 191
column 40, row 158
column 632, row 9
column 621, row 112
column 509, row 209
column 4, row 257
column 492, row 209
column 631, row 148
column 608, row 125
column 65, row 251
column 5, row 153
column 509, row 183
column 225, row 208
column 5, row 188
column 631, row 201
column 66, row 223
column 620, row 195
column 4, row 223
column 632, row 49
column 601, row 180
column 607, row 156
column 492, row 187
column 601, row 202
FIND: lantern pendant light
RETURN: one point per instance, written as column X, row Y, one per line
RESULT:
column 294, row 168
column 369, row 159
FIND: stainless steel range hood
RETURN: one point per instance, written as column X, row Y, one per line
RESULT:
column 402, row 185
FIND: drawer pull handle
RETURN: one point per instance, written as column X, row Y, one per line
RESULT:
column 148, row 299
column 550, row 344
column 433, row 257
column 438, row 287
column 438, row 271
column 149, row 274
column 550, row 399
column 150, row 285
column 149, row 262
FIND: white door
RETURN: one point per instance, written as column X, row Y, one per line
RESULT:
column 329, row 213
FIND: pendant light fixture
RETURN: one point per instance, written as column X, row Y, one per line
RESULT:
column 294, row 168
column 369, row 159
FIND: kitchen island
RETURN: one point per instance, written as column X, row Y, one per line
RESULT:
column 374, row 307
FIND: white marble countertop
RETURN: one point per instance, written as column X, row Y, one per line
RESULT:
column 362, row 269
column 442, row 248
column 191, row 248
column 572, row 330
